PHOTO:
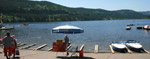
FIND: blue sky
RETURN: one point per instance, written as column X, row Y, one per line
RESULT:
column 137, row 5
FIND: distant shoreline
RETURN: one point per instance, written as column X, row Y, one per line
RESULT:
column 83, row 20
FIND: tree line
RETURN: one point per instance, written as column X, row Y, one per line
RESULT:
column 43, row 11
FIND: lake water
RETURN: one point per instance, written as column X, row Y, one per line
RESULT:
column 95, row 32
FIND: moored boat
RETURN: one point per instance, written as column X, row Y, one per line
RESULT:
column 6, row 28
column 23, row 25
column 130, row 25
column 147, row 27
column 133, row 44
column 3, row 27
column 139, row 27
column 128, row 28
column 119, row 46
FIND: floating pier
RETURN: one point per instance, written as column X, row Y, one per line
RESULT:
column 28, row 46
column 40, row 47
column 96, row 49
column 111, row 49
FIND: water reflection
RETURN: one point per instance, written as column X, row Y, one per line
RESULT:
column 146, row 32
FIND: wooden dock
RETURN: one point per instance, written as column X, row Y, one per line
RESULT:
column 96, row 48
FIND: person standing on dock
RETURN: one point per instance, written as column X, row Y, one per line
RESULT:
column 66, row 39
column 8, row 44
column 14, row 45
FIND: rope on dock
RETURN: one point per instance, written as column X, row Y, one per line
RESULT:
column 111, row 49
column 40, row 47
column 28, row 46
column 81, row 48
column 96, row 49
column 129, row 51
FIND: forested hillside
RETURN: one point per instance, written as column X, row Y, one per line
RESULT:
column 42, row 11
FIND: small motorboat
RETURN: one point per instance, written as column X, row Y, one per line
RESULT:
column 2, row 27
column 147, row 27
column 139, row 27
column 133, row 44
column 119, row 46
column 6, row 28
column 130, row 25
column 24, row 25
column 128, row 28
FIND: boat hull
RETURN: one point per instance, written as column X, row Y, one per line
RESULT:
column 119, row 49
column 135, row 49
column 7, row 28
column 128, row 28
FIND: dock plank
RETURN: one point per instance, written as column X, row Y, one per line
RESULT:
column 50, row 49
column 146, row 51
column 96, row 49
column 111, row 49
column 129, row 51
column 68, row 47
column 28, row 46
column 40, row 47
column 81, row 48
column 22, row 44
